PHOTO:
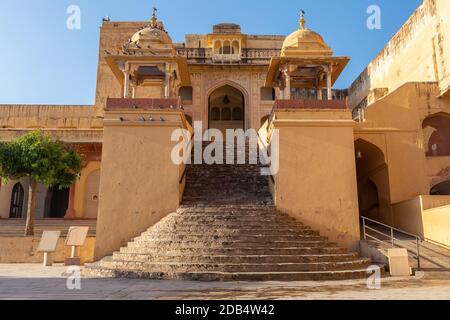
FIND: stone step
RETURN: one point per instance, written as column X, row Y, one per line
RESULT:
column 226, row 238
column 233, row 244
column 236, row 218
column 185, row 251
column 230, row 225
column 228, row 209
column 93, row 271
column 236, row 232
column 168, row 267
column 119, row 256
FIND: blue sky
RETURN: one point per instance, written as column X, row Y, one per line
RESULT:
column 45, row 63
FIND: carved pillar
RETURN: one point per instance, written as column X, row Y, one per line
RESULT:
column 329, row 85
column 287, row 81
column 126, row 83
column 70, row 213
column 167, row 86
column 281, row 94
column 319, row 94
column 288, row 87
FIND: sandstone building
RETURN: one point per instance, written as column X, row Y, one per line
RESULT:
column 380, row 149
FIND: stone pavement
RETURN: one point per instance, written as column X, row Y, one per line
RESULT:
column 25, row 281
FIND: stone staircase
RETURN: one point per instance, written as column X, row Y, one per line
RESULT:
column 227, row 229
column 16, row 227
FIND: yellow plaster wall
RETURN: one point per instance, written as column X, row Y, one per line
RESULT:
column 317, row 179
column 139, row 183
column 394, row 125
column 418, row 52
column 80, row 187
column 408, row 216
column 426, row 216
column 436, row 223
column 23, row 250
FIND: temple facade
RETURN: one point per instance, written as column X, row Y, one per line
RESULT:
column 379, row 149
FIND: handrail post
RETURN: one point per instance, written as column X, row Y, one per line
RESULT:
column 392, row 237
column 418, row 253
column 364, row 228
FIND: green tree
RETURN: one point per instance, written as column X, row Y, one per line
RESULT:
column 41, row 159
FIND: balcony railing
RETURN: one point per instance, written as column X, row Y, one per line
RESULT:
column 247, row 56
column 226, row 57
column 146, row 104
column 310, row 104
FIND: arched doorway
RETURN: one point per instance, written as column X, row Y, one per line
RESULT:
column 226, row 109
column 92, row 195
column 373, row 182
column 17, row 197
column 56, row 202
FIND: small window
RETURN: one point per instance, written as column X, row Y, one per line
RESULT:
column 226, row 114
column 215, row 114
column 267, row 94
column 186, row 93
column 237, row 114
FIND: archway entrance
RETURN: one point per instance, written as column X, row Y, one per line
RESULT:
column 373, row 182
column 56, row 202
column 226, row 109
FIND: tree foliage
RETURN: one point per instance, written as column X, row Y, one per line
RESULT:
column 41, row 158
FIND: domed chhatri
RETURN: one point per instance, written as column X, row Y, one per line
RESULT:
column 152, row 37
column 305, row 42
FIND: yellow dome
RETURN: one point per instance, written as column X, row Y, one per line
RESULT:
column 305, row 42
column 150, row 35
column 303, row 36
column 153, row 38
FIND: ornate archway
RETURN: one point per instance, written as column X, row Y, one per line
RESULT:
column 226, row 108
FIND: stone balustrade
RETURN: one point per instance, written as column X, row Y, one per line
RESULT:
column 147, row 104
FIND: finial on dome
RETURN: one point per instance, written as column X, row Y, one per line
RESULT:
column 154, row 20
column 302, row 19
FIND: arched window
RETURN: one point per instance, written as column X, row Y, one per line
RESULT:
column 237, row 114
column 17, row 196
column 436, row 129
column 226, row 114
column 215, row 114
column 226, row 49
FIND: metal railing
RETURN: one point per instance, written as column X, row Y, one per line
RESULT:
column 391, row 236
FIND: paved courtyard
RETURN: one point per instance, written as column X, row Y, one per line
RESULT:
column 25, row 281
